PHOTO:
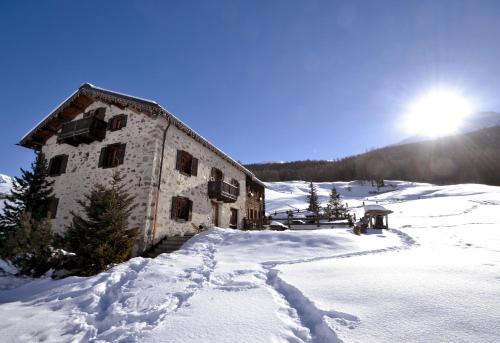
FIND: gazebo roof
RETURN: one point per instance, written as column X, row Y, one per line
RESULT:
column 376, row 209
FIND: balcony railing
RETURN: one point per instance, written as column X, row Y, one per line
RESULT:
column 85, row 130
column 222, row 191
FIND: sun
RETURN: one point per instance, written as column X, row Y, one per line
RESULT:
column 437, row 113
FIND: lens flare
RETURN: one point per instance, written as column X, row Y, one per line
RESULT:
column 437, row 113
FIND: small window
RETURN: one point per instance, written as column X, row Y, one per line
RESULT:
column 186, row 163
column 216, row 175
column 181, row 209
column 57, row 165
column 54, row 202
column 233, row 221
column 117, row 122
column 112, row 155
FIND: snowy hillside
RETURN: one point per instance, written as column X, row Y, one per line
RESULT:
column 5, row 187
column 293, row 195
column 433, row 277
column 5, row 184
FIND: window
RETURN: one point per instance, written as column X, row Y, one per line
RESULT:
column 117, row 122
column 233, row 221
column 112, row 155
column 181, row 209
column 57, row 165
column 54, row 202
column 236, row 184
column 216, row 175
column 186, row 163
column 98, row 113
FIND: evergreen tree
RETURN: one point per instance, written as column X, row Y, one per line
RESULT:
column 335, row 207
column 312, row 198
column 102, row 237
column 31, row 194
column 30, row 245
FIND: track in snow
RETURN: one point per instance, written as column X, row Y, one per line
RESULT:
column 310, row 316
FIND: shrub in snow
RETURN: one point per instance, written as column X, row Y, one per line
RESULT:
column 102, row 237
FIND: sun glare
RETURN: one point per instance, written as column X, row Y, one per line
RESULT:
column 437, row 113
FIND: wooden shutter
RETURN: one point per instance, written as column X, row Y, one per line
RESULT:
column 121, row 153
column 190, row 217
column 64, row 163
column 109, row 125
column 124, row 120
column 54, row 202
column 194, row 166
column 102, row 156
column 173, row 210
column 100, row 112
column 50, row 166
column 179, row 157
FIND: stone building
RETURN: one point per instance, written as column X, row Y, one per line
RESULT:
column 180, row 180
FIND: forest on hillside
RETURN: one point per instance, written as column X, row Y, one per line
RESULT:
column 466, row 158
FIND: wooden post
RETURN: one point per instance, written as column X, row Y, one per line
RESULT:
column 387, row 221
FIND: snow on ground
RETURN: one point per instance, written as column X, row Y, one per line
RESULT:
column 434, row 276
column 293, row 195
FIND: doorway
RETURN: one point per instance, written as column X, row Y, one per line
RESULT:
column 215, row 213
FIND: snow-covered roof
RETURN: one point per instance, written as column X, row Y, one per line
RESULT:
column 88, row 93
column 376, row 208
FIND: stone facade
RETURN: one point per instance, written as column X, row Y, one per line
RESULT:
column 174, row 183
column 144, row 139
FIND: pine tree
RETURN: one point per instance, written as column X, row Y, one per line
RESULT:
column 312, row 198
column 102, row 237
column 30, row 245
column 335, row 207
column 31, row 193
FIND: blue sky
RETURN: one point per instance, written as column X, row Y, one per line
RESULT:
column 263, row 80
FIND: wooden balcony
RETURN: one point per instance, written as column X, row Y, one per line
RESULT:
column 85, row 131
column 222, row 191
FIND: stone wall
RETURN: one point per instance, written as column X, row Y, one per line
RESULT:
column 174, row 183
column 82, row 171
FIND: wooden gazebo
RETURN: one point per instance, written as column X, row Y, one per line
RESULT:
column 376, row 215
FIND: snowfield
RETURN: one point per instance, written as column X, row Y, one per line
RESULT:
column 435, row 276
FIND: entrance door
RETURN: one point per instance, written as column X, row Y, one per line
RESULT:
column 215, row 214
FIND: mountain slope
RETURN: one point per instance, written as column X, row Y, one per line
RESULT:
column 466, row 158
column 5, row 184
